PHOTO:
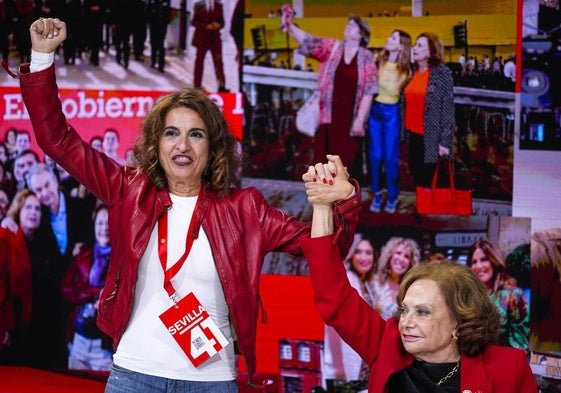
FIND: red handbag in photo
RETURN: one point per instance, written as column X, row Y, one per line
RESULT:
column 443, row 200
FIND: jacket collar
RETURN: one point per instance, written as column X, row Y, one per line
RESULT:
column 202, row 205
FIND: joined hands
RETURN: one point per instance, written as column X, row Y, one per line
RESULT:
column 327, row 182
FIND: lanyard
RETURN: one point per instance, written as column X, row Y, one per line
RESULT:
column 163, row 251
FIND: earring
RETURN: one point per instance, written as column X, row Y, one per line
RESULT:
column 454, row 336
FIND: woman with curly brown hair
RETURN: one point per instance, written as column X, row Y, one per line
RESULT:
column 486, row 261
column 181, row 295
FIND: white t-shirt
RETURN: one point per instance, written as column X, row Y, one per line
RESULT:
column 146, row 346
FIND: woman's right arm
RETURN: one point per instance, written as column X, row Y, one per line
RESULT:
column 58, row 139
column 310, row 45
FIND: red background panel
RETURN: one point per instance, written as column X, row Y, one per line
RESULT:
column 291, row 314
column 30, row 380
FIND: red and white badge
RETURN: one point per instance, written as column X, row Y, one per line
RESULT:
column 196, row 333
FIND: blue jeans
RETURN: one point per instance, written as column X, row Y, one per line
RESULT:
column 384, row 128
column 122, row 380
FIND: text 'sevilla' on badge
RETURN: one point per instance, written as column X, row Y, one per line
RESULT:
column 193, row 329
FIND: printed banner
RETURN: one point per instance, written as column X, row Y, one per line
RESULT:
column 92, row 111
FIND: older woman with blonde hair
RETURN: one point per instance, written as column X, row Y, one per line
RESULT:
column 34, row 348
column 397, row 256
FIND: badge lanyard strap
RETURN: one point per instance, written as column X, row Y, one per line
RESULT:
column 163, row 251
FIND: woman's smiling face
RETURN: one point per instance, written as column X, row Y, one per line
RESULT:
column 30, row 213
column 482, row 267
column 363, row 257
column 184, row 151
column 426, row 324
column 400, row 262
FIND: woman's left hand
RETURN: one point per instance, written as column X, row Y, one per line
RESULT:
column 443, row 151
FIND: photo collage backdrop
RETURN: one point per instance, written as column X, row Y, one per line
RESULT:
column 505, row 133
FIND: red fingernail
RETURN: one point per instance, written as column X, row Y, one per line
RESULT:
column 325, row 181
column 314, row 179
column 333, row 174
column 330, row 182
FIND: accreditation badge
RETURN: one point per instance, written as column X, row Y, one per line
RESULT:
column 196, row 333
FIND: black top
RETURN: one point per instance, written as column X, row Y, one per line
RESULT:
column 422, row 377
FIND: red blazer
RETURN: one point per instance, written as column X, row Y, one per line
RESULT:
column 75, row 285
column 497, row 369
column 201, row 19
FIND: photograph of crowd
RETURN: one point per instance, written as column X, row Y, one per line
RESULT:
column 389, row 146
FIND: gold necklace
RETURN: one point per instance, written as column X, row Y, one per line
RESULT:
column 449, row 375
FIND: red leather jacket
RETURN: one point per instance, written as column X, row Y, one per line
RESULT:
column 241, row 227
column 202, row 18
column 75, row 285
